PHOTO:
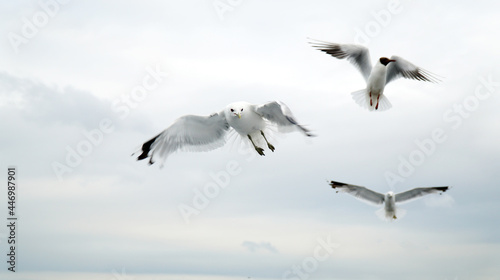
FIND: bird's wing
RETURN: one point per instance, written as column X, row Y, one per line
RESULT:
column 403, row 68
column 278, row 113
column 359, row 192
column 358, row 55
column 418, row 192
column 188, row 133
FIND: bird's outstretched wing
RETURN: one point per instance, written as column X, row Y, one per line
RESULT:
column 188, row 133
column 278, row 113
column 358, row 55
column 418, row 192
column 359, row 192
column 403, row 68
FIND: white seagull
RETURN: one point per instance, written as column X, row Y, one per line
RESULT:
column 204, row 133
column 385, row 71
column 389, row 199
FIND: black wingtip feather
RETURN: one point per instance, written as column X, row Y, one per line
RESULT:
column 332, row 49
column 146, row 147
column 336, row 184
column 443, row 189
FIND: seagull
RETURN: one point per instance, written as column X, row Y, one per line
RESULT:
column 389, row 199
column 204, row 133
column 385, row 71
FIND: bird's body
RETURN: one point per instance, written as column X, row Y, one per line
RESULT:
column 390, row 206
column 376, row 80
column 388, row 200
column 204, row 133
column 376, row 83
column 250, row 124
column 377, row 77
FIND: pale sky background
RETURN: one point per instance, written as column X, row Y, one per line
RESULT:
column 111, row 217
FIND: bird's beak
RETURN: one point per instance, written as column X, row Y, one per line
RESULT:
column 392, row 60
column 239, row 115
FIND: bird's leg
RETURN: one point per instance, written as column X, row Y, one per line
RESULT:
column 371, row 103
column 258, row 149
column 376, row 107
column 271, row 147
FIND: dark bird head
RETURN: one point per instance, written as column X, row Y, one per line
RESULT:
column 385, row 60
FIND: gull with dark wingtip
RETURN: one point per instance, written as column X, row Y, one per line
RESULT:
column 377, row 77
column 389, row 199
column 204, row 133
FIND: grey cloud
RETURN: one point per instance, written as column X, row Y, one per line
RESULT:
column 254, row 246
column 38, row 102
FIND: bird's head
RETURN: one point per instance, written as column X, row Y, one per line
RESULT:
column 235, row 111
column 389, row 194
column 384, row 61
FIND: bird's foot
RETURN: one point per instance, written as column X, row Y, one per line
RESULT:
column 260, row 151
column 271, row 147
column 394, row 217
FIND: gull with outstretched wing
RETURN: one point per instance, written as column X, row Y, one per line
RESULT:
column 205, row 133
column 376, row 77
column 389, row 200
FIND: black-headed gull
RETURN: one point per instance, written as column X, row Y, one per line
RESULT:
column 204, row 133
column 377, row 77
column 389, row 199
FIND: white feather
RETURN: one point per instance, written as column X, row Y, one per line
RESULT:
column 362, row 98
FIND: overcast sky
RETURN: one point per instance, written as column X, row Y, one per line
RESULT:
column 84, row 83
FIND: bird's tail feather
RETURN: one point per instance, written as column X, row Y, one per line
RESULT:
column 382, row 214
column 383, row 103
column 362, row 98
column 389, row 216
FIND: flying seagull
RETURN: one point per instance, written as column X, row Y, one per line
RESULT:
column 389, row 199
column 204, row 133
column 385, row 71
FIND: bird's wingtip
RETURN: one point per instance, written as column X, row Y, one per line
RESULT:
column 142, row 156
column 336, row 184
column 443, row 188
column 146, row 148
